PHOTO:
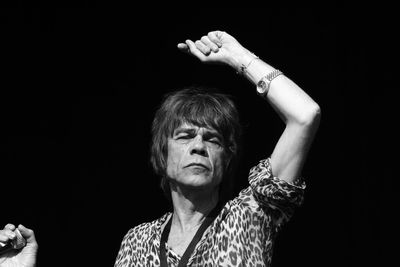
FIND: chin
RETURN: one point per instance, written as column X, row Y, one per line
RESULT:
column 199, row 182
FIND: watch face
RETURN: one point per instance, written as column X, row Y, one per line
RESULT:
column 261, row 86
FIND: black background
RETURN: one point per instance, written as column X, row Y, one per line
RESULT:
column 79, row 87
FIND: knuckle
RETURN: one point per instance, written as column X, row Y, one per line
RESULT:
column 198, row 43
column 212, row 36
column 6, row 233
column 9, row 225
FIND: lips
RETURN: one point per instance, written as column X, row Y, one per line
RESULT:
column 197, row 165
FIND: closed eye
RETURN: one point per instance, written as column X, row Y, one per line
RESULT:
column 214, row 141
column 184, row 136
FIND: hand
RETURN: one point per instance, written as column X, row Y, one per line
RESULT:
column 218, row 47
column 26, row 257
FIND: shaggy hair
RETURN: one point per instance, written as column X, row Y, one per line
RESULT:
column 203, row 107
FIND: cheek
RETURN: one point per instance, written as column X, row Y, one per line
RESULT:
column 174, row 158
column 220, row 162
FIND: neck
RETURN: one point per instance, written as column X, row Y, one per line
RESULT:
column 191, row 206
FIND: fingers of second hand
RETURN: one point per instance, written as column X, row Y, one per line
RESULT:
column 214, row 38
column 202, row 47
column 3, row 237
column 210, row 44
column 182, row 46
column 10, row 226
column 193, row 50
column 6, row 235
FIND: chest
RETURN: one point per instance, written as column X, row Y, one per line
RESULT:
column 179, row 242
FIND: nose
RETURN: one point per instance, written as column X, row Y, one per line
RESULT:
column 198, row 147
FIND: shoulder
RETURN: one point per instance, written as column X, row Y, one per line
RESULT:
column 138, row 241
column 144, row 231
column 139, row 231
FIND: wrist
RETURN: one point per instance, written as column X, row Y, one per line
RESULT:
column 240, row 61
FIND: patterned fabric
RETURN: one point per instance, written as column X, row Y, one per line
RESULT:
column 242, row 234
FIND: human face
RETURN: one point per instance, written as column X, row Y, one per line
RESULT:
column 195, row 157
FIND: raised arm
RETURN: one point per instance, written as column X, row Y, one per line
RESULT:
column 299, row 112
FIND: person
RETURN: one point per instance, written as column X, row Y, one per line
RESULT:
column 195, row 148
column 23, row 257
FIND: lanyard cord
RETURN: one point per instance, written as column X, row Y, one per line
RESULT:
column 185, row 258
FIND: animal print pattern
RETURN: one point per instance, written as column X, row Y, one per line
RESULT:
column 242, row 234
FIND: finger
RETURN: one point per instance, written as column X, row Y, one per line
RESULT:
column 213, row 38
column 6, row 235
column 202, row 47
column 183, row 46
column 205, row 40
column 194, row 51
column 10, row 226
column 3, row 238
column 27, row 233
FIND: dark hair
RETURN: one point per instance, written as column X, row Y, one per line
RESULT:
column 203, row 107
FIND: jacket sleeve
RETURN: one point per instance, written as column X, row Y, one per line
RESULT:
column 275, row 196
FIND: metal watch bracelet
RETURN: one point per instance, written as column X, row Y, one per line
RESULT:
column 265, row 82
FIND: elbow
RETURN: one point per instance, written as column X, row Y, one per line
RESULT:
column 311, row 116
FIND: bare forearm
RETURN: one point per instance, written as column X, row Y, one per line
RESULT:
column 286, row 97
column 300, row 113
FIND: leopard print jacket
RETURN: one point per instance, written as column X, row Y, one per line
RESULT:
column 242, row 234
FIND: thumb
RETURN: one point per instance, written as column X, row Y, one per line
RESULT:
column 28, row 234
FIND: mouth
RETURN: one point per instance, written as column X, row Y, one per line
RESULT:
column 197, row 165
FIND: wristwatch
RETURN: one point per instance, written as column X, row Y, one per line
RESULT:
column 265, row 82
